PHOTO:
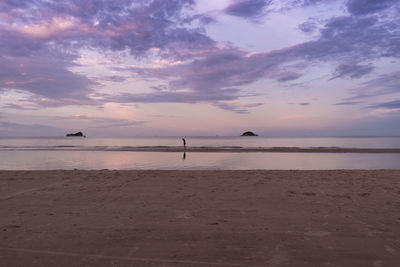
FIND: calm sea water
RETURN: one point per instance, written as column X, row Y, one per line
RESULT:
column 90, row 153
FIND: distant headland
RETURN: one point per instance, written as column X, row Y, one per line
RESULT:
column 76, row 134
column 249, row 134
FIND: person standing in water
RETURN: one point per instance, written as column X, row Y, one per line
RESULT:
column 184, row 143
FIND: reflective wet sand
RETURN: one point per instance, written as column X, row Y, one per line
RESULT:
column 92, row 160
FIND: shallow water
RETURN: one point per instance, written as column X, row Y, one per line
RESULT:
column 52, row 143
column 44, row 160
column 94, row 153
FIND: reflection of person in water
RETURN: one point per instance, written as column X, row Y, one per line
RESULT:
column 184, row 156
column 184, row 143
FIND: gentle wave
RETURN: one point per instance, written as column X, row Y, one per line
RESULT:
column 201, row 149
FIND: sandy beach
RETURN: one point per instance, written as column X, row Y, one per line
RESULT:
column 200, row 218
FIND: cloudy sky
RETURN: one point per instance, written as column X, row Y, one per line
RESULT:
column 199, row 67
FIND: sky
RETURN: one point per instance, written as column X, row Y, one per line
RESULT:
column 199, row 67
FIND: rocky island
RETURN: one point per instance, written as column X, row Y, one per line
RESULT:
column 249, row 134
column 76, row 134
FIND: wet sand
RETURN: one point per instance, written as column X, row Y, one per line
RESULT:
column 214, row 149
column 200, row 218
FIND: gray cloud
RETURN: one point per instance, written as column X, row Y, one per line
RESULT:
column 389, row 105
column 311, row 2
column 239, row 108
column 114, row 78
column 300, row 103
column 354, row 38
column 384, row 84
column 285, row 76
column 308, row 27
column 14, row 44
column 175, row 97
column 102, row 122
column 363, row 7
column 352, row 71
column 347, row 103
column 247, row 8
column 19, row 106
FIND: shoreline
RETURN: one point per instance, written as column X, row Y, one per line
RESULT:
column 200, row 218
column 216, row 149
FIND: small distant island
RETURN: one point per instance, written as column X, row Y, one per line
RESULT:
column 76, row 134
column 249, row 134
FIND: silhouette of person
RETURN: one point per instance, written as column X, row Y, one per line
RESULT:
column 184, row 156
column 184, row 143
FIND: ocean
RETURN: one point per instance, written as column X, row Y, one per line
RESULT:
column 45, row 153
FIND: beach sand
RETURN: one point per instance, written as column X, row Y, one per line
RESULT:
column 200, row 218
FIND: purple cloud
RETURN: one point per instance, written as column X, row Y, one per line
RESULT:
column 44, row 76
column 38, row 57
column 119, row 25
column 205, row 77
column 211, row 78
